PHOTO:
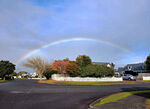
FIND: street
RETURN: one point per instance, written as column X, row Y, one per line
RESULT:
column 28, row 94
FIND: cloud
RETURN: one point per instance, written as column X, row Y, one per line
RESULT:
column 19, row 22
column 28, row 24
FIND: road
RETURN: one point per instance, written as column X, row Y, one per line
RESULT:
column 28, row 94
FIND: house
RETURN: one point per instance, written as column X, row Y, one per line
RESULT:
column 34, row 75
column 110, row 65
column 138, row 68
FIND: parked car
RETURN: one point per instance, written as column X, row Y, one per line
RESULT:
column 128, row 77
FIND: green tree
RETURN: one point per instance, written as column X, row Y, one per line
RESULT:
column 14, row 74
column 49, row 72
column 22, row 72
column 112, row 65
column 83, row 61
column 147, row 63
column 6, row 68
column 66, row 59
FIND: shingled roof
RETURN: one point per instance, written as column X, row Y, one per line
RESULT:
column 139, row 67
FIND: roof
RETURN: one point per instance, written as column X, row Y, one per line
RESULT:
column 135, row 67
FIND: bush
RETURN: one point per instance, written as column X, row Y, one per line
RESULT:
column 36, row 76
column 97, row 71
column 49, row 72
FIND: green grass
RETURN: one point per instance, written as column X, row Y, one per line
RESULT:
column 117, row 96
column 146, row 80
column 87, row 82
column 97, row 83
column 2, row 80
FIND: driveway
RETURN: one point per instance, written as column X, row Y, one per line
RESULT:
column 28, row 94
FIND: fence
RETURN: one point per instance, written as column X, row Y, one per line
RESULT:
column 143, row 76
column 63, row 78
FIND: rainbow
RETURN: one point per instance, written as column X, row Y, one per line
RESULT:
column 30, row 53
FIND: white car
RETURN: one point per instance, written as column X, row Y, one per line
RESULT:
column 128, row 77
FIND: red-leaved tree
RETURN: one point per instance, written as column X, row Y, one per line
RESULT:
column 66, row 67
column 72, row 69
column 60, row 66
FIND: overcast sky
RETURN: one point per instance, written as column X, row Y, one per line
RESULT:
column 28, row 24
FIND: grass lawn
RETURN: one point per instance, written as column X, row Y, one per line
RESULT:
column 118, row 96
column 2, row 80
column 97, row 83
column 146, row 80
column 86, row 82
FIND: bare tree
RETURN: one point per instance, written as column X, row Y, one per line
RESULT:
column 38, row 64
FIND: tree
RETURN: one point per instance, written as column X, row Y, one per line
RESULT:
column 22, row 72
column 37, row 64
column 66, row 67
column 60, row 66
column 66, row 59
column 6, row 68
column 83, row 60
column 72, row 69
column 14, row 74
column 147, row 63
column 112, row 66
column 49, row 72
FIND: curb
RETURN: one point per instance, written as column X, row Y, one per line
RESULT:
column 92, row 107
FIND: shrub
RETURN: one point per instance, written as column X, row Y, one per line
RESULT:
column 97, row 71
column 49, row 72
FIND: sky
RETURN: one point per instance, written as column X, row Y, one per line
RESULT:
column 119, row 30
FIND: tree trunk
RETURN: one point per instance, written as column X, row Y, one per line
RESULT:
column 40, row 77
column 3, row 78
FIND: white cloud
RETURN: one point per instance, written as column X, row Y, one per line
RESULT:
column 25, row 26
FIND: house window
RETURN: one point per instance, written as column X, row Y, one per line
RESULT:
column 129, row 67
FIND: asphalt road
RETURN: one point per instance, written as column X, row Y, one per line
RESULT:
column 28, row 94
